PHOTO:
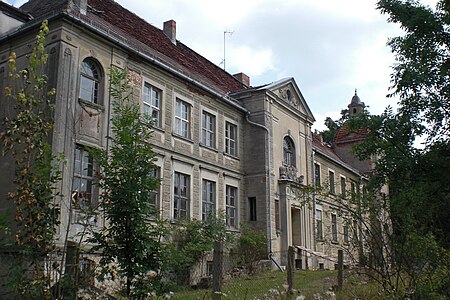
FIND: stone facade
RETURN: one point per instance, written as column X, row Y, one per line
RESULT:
column 250, row 144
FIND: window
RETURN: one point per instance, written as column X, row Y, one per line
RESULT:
column 277, row 215
column 334, row 229
column 230, row 139
column 343, row 187
column 355, row 230
column 319, row 225
column 288, row 152
column 353, row 190
column 252, row 208
column 208, row 129
column 87, row 271
column 182, row 118
column 83, row 195
column 208, row 199
column 317, row 174
column 90, row 81
column 181, row 196
column 345, row 233
column 155, row 195
column 231, row 198
column 152, row 103
column 331, row 182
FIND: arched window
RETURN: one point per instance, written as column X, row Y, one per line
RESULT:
column 288, row 152
column 90, row 81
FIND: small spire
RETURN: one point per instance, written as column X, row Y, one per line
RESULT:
column 355, row 92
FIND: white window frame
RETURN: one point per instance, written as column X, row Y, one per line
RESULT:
column 231, row 206
column 93, row 82
column 83, row 174
column 208, row 198
column 317, row 182
column 209, row 127
column 182, row 115
column 231, row 144
column 152, row 105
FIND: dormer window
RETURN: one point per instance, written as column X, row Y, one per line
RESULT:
column 90, row 81
column 288, row 152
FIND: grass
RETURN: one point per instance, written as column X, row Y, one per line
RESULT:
column 256, row 286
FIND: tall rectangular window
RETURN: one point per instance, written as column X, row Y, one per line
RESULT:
column 155, row 194
column 208, row 129
column 181, row 196
column 319, row 224
column 334, row 229
column 230, row 139
column 353, row 190
column 208, row 199
column 331, row 182
column 182, row 118
column 277, row 215
column 317, row 174
column 355, row 230
column 343, row 187
column 345, row 229
column 83, row 195
column 252, row 208
column 152, row 103
column 231, row 201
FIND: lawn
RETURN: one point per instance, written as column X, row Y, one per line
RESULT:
column 257, row 286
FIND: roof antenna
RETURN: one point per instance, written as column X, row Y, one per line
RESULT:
column 224, row 41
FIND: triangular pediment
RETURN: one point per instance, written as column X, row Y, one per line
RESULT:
column 288, row 93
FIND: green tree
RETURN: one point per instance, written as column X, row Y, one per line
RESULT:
column 251, row 247
column 130, row 243
column 419, row 185
column 192, row 240
column 333, row 126
column 25, row 139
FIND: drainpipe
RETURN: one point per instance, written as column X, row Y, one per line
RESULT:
column 313, row 152
column 269, row 179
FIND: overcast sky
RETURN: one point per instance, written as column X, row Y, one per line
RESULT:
column 330, row 47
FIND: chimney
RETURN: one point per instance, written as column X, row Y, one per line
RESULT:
column 170, row 29
column 244, row 79
column 82, row 5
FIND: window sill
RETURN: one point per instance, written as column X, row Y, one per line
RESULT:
column 86, row 103
column 183, row 138
column 335, row 242
column 231, row 156
column 208, row 147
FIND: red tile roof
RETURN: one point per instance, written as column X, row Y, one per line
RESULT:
column 343, row 135
column 121, row 21
column 326, row 149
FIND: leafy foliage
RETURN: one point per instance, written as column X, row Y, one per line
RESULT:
column 333, row 126
column 193, row 239
column 251, row 248
column 417, row 178
column 421, row 76
column 25, row 138
column 130, row 243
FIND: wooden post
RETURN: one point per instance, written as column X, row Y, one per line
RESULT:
column 290, row 269
column 217, row 270
column 340, row 269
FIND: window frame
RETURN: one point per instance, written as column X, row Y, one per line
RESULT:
column 155, row 195
column 178, row 213
column 231, row 200
column 231, row 142
column 343, row 183
column 148, row 103
column 208, row 129
column 289, row 151
column 182, row 115
column 334, row 228
column 93, row 81
column 317, row 175
column 208, row 198
column 88, row 177
column 319, row 224
column 332, row 181
column 252, row 209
